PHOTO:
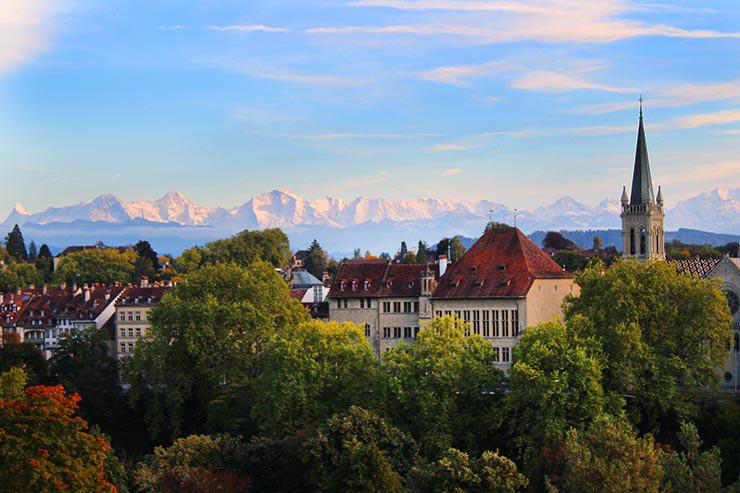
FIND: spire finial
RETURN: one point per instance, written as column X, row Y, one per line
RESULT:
column 641, row 100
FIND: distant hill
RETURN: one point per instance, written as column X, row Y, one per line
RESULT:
column 613, row 237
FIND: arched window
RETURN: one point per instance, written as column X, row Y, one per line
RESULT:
column 643, row 242
column 632, row 241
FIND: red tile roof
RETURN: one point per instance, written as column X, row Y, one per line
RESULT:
column 503, row 263
column 695, row 266
column 362, row 278
column 150, row 295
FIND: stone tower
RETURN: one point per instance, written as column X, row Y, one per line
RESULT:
column 642, row 212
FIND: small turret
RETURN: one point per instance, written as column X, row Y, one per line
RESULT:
column 659, row 197
column 625, row 199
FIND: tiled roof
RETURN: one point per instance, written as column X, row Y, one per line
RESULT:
column 361, row 278
column 298, row 294
column 303, row 279
column 150, row 295
column 503, row 263
column 695, row 266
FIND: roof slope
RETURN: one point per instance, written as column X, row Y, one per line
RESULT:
column 376, row 277
column 503, row 263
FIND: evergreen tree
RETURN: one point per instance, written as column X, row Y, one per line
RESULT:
column 421, row 254
column 317, row 259
column 15, row 245
column 45, row 262
column 32, row 252
column 145, row 251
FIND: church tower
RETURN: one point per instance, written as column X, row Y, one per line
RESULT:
column 642, row 212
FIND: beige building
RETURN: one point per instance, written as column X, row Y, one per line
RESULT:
column 132, row 317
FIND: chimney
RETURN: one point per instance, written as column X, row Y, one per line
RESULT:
column 63, row 285
column 2, row 298
column 86, row 291
column 44, row 289
column 32, row 287
column 18, row 291
column 144, row 283
column 442, row 265
column 74, row 288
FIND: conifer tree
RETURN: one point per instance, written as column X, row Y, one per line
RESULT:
column 15, row 245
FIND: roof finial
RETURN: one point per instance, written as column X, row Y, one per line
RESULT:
column 641, row 100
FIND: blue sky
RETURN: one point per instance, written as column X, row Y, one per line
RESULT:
column 519, row 102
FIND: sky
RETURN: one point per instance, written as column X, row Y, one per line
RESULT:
column 517, row 102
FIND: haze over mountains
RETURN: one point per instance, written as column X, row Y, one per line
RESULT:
column 367, row 223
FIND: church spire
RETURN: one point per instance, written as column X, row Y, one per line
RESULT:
column 642, row 183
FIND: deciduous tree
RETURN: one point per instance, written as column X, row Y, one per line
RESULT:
column 97, row 265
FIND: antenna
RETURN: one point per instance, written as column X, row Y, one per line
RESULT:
column 515, row 211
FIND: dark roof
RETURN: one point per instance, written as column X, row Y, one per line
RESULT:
column 150, row 295
column 642, row 183
column 298, row 294
column 695, row 266
column 360, row 278
column 503, row 263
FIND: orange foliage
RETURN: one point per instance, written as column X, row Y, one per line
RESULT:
column 44, row 448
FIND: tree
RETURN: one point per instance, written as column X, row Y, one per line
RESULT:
column 20, row 275
column 457, row 249
column 570, row 260
column 207, row 333
column 44, row 447
column 16, row 354
column 403, row 251
column 555, row 384
column 82, row 365
column 15, row 245
column 45, row 262
column 608, row 457
column 12, row 383
column 247, row 247
column 663, row 334
column 691, row 471
column 557, row 241
column 311, row 372
column 358, row 451
column 316, row 260
column 144, row 250
column 106, row 265
column 32, row 253
column 598, row 243
column 449, row 379
column 455, row 472
column 421, row 254
column 192, row 464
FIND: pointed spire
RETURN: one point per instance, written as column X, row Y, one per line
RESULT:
column 625, row 199
column 659, row 197
column 642, row 183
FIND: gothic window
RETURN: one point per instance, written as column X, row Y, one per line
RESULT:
column 643, row 245
column 733, row 301
column 632, row 241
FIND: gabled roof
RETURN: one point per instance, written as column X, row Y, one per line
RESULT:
column 503, row 263
column 149, row 295
column 695, row 266
column 303, row 279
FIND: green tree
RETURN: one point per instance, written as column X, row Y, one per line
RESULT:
column 555, row 384
column 457, row 249
column 609, row 457
column 403, row 251
column 692, row 471
column 247, row 247
column 16, row 354
column 194, row 463
column 207, row 333
column 144, row 249
column 311, row 372
column 15, row 245
column 440, row 387
column 358, row 451
column 44, row 447
column 570, row 260
column 82, row 365
column 45, row 262
column 12, row 383
column 455, row 472
column 557, row 241
column 663, row 334
column 106, row 265
column 421, row 254
column 316, row 261
column 20, row 275
column 598, row 243
column 32, row 253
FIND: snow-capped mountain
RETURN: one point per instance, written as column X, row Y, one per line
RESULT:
column 361, row 222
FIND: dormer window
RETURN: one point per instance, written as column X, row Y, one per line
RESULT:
column 342, row 285
column 354, row 285
column 367, row 285
column 502, row 268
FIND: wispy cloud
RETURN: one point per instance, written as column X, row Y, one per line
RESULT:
column 460, row 75
column 450, row 172
column 382, row 176
column 26, row 29
column 448, row 5
column 704, row 119
column 549, row 81
column 176, row 27
column 454, row 146
column 369, row 136
column 248, row 28
column 260, row 71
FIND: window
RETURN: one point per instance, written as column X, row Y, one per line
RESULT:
column 505, row 354
column 457, row 314
column 362, row 302
column 123, row 333
column 123, row 316
column 345, row 302
column 515, row 322
column 495, row 324
column 386, row 332
column 396, row 307
column 407, row 332
column 367, row 286
column 496, row 354
column 416, row 307
column 448, row 313
column 130, row 316
column 437, row 313
column 339, row 303
column 369, row 305
column 138, row 316
column 396, row 332
column 416, row 331
column 138, row 332
column 123, row 347
column 130, row 347
column 504, row 323
column 476, row 322
column 486, row 323
column 131, row 333
column 556, row 288
column 386, row 306
column 367, row 330
column 406, row 307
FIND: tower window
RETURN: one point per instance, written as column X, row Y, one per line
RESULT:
column 643, row 242
column 632, row 242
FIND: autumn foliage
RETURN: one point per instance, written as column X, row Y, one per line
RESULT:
column 44, row 447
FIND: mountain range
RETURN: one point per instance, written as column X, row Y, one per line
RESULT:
column 367, row 223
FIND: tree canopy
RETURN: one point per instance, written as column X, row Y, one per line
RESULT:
column 15, row 245
column 97, row 265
